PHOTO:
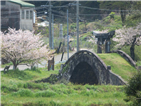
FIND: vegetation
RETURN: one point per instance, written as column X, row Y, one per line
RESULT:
column 126, row 49
column 133, row 19
column 129, row 37
column 24, row 87
column 6, row 64
column 133, row 90
column 18, row 88
column 118, row 5
column 23, row 46
column 118, row 65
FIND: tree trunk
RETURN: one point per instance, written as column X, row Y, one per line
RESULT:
column 132, row 52
column 15, row 66
column 32, row 65
column 132, row 49
column 123, row 16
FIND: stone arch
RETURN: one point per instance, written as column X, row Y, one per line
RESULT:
column 83, row 74
column 103, row 75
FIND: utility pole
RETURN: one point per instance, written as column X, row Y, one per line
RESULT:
column 50, row 38
column 61, row 31
column 52, row 31
column 77, row 26
column 67, row 35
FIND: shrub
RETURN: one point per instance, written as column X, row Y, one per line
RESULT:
column 133, row 89
column 58, row 66
column 112, row 14
column 21, row 75
column 7, row 89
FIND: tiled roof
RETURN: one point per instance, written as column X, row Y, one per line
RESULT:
column 22, row 3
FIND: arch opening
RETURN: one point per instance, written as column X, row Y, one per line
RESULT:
column 83, row 74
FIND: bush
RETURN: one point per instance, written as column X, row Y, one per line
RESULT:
column 112, row 14
column 133, row 89
column 21, row 75
column 58, row 66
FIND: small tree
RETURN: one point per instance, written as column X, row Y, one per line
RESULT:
column 129, row 36
column 23, row 46
column 133, row 90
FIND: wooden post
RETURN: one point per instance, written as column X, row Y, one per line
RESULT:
column 62, row 56
column 51, row 64
column 59, row 47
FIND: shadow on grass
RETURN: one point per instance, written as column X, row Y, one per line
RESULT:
column 21, row 75
column 33, row 69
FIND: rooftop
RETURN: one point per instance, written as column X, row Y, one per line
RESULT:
column 22, row 3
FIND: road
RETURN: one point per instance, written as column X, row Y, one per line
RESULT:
column 57, row 59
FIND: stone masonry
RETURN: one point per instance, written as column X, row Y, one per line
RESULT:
column 102, row 73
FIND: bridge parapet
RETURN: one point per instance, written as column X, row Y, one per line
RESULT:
column 86, row 52
column 126, row 57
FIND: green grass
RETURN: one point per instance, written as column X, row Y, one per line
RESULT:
column 4, row 65
column 18, row 88
column 118, row 65
column 139, row 63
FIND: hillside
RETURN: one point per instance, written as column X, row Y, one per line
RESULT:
column 118, row 65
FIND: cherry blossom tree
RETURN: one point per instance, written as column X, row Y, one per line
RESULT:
column 23, row 46
column 129, row 36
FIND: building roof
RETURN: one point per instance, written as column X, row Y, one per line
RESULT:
column 22, row 3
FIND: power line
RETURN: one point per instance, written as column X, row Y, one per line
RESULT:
column 105, row 9
column 93, row 14
column 77, row 27
column 50, row 33
column 58, row 6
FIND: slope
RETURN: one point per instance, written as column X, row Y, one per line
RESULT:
column 118, row 65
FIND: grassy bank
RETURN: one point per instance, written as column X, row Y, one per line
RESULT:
column 18, row 88
column 118, row 65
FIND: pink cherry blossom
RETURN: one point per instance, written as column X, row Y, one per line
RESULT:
column 23, row 46
column 128, row 36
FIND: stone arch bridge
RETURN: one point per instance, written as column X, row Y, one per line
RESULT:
column 85, row 67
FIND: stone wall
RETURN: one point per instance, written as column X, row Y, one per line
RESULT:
column 116, row 79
